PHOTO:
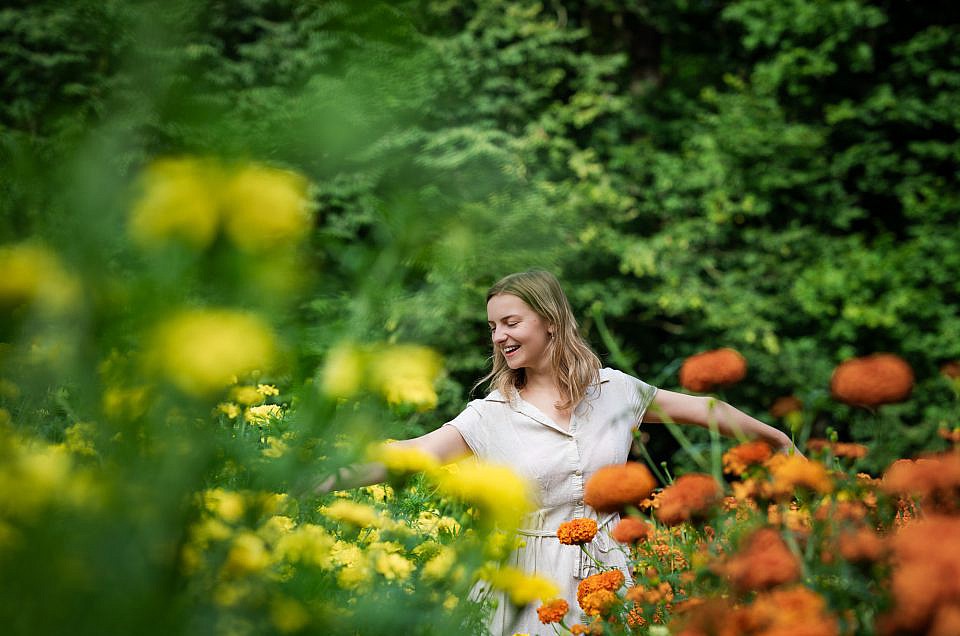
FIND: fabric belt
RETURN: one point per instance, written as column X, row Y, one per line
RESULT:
column 601, row 542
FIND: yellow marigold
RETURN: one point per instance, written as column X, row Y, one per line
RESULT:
column 201, row 351
column 179, row 201
column 795, row 472
column 553, row 612
column 263, row 414
column 405, row 374
column 631, row 530
column 521, row 588
column 577, row 531
column 33, row 275
column 246, row 395
column 288, row 615
column 689, row 497
column 265, row 208
column 502, row 496
column 610, row 580
column 882, row 378
column 226, row 504
column 308, row 543
column 437, row 567
column 614, row 487
column 710, row 369
column 343, row 371
column 248, row 554
column 739, row 458
column 393, row 566
column 399, row 458
column 229, row 409
column 598, row 602
column 356, row 514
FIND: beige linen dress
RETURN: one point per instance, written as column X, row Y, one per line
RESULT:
column 558, row 462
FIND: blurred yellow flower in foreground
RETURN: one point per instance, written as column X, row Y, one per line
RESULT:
column 403, row 459
column 356, row 514
column 179, row 201
column 189, row 199
column 405, row 374
column 521, row 588
column 248, row 554
column 342, row 373
column 265, row 208
column 308, row 543
column 225, row 504
column 33, row 275
column 502, row 496
column 201, row 351
column 288, row 615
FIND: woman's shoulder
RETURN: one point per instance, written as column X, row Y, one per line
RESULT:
column 609, row 374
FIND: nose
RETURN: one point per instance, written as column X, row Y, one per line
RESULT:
column 498, row 336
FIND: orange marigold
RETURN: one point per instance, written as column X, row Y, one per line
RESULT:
column 950, row 436
column 577, row 531
column 708, row 617
column 593, row 629
column 951, row 369
column 704, row 371
column 690, row 497
column 598, row 602
column 763, row 562
column 613, row 487
column 862, row 545
column 553, row 612
column 739, row 458
column 794, row 610
column 882, row 378
column 631, row 530
column 837, row 449
column 610, row 580
column 934, row 478
column 783, row 406
column 789, row 473
column 924, row 581
column 641, row 595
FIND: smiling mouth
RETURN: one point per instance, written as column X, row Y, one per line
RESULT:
column 509, row 350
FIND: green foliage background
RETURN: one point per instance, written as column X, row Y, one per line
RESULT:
column 780, row 177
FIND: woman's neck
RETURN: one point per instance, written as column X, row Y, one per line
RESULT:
column 540, row 381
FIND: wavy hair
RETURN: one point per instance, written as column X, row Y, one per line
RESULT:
column 576, row 365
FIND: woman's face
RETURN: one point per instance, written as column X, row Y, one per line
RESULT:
column 519, row 334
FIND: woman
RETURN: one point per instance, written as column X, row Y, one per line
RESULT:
column 556, row 416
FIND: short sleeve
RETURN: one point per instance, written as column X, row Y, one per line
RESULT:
column 468, row 422
column 639, row 395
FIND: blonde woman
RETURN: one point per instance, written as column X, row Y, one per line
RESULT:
column 555, row 415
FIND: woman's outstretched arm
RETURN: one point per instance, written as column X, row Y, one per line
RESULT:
column 445, row 444
column 706, row 411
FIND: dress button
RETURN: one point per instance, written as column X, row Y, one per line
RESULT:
column 578, row 473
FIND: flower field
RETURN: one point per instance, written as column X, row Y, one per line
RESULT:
column 185, row 501
column 242, row 245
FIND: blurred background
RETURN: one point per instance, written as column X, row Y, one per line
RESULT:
column 209, row 208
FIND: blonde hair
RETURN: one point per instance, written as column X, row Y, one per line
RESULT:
column 576, row 365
